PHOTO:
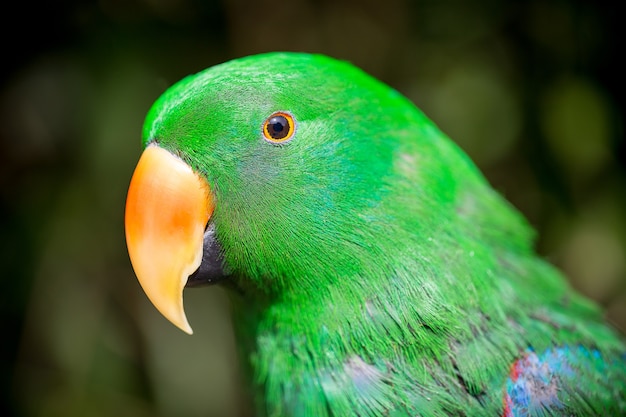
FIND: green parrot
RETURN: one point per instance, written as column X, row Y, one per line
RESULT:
column 372, row 269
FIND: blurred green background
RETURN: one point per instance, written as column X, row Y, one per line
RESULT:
column 532, row 90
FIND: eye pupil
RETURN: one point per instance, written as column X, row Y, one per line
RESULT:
column 278, row 127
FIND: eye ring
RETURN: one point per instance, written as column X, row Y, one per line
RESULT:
column 279, row 127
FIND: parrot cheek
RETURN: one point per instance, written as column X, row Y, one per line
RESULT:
column 167, row 210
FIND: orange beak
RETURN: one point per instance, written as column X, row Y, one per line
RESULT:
column 167, row 209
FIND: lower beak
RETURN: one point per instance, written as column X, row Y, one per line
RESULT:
column 167, row 209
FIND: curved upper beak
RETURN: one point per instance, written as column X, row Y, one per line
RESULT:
column 167, row 209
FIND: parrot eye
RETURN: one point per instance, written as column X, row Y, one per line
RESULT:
column 279, row 127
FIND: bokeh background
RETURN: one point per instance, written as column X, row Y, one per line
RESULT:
column 532, row 90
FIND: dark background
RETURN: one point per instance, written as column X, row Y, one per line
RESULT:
column 532, row 90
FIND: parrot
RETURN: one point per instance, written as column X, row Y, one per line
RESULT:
column 371, row 268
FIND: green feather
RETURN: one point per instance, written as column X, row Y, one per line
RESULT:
column 377, row 272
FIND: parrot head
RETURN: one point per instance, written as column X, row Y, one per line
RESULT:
column 272, row 172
